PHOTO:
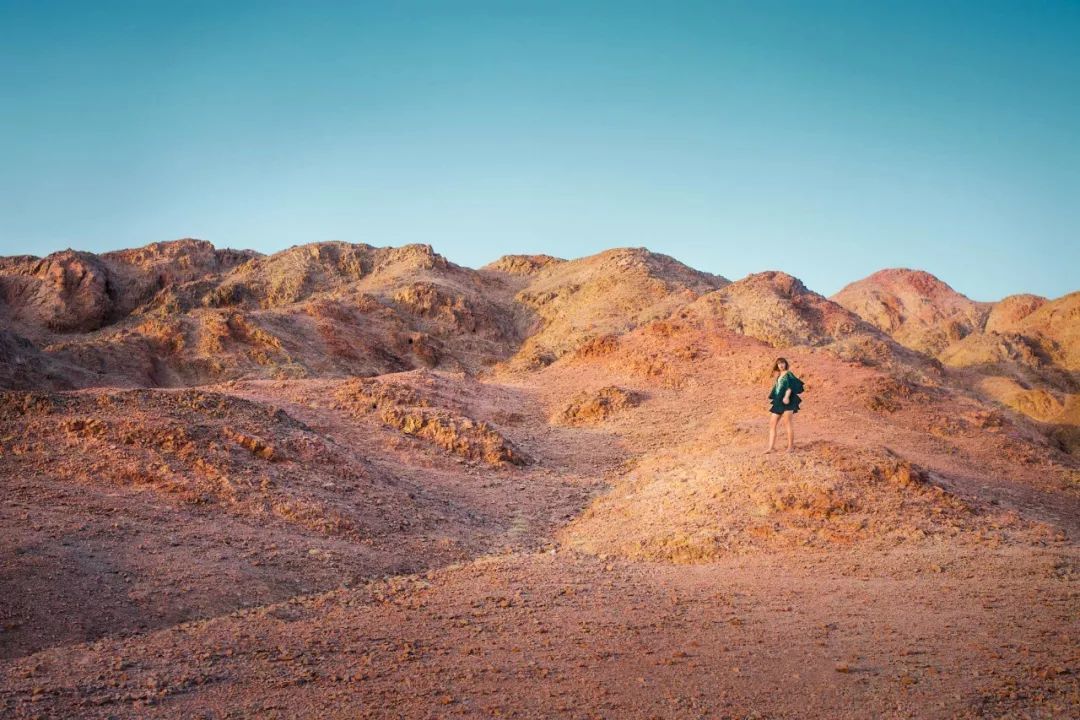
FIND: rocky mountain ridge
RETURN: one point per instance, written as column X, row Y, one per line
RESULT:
column 185, row 313
column 350, row 481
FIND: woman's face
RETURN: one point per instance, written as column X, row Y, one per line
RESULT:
column 781, row 366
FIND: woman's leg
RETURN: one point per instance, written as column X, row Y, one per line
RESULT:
column 773, row 419
column 789, row 418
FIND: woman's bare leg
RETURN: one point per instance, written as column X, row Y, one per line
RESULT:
column 773, row 419
column 789, row 418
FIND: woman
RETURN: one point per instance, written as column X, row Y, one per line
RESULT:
column 785, row 402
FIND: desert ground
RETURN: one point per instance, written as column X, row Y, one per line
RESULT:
column 344, row 481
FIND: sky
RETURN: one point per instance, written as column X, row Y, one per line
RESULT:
column 825, row 139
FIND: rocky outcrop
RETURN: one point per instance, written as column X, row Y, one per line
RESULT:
column 77, row 292
column 778, row 309
column 1007, row 315
column 404, row 409
column 594, row 407
column 522, row 264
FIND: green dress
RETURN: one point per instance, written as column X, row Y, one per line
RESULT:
column 783, row 383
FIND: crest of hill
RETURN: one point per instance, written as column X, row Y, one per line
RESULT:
column 1007, row 314
column 72, row 291
column 917, row 309
column 1027, row 359
column 609, row 293
column 303, row 271
column 1022, row 352
column 521, row 264
column 779, row 310
column 1056, row 326
column 1026, row 330
column 207, row 315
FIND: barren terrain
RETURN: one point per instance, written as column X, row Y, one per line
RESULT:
column 348, row 481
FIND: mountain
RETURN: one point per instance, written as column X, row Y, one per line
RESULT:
column 915, row 308
column 174, row 314
column 183, row 313
column 608, row 293
column 1028, row 330
column 71, row 291
column 1022, row 352
column 342, row 480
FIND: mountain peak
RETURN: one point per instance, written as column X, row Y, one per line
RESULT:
column 918, row 309
column 522, row 264
column 919, row 281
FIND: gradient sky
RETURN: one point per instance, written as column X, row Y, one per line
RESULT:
column 826, row 139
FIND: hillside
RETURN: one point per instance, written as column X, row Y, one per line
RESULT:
column 325, row 308
column 352, row 481
column 605, row 294
column 914, row 307
column 1019, row 352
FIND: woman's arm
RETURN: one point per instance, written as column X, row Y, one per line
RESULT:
column 784, row 389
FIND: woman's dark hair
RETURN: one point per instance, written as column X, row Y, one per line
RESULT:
column 776, row 365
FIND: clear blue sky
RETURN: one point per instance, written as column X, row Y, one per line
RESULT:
column 826, row 139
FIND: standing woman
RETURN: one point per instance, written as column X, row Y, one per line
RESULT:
column 785, row 402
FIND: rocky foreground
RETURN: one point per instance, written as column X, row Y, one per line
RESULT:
column 346, row 481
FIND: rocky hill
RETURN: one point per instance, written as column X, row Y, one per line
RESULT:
column 73, row 291
column 1020, row 352
column 176, row 314
column 915, row 308
column 606, row 294
column 1027, row 330
column 353, row 481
